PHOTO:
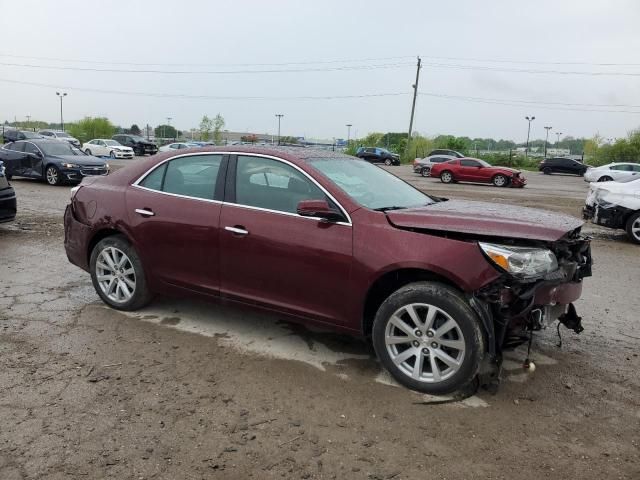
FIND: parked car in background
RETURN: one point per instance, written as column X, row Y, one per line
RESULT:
column 8, row 204
column 60, row 135
column 423, row 165
column 50, row 160
column 612, row 171
column 179, row 146
column 562, row 165
column 104, row 147
column 378, row 155
column 478, row 171
column 616, row 205
column 12, row 135
column 298, row 231
column 445, row 152
column 140, row 145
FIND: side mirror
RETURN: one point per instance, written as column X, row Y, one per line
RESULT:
column 318, row 208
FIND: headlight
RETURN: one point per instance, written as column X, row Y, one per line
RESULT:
column 69, row 165
column 106, row 165
column 522, row 262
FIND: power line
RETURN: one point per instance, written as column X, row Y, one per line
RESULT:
column 533, row 62
column 533, row 102
column 309, row 62
column 539, row 105
column 531, row 70
column 207, row 72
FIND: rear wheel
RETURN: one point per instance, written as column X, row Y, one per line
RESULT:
column 500, row 180
column 425, row 172
column 605, row 178
column 633, row 227
column 428, row 338
column 52, row 175
column 117, row 274
column 546, row 171
column 446, row 177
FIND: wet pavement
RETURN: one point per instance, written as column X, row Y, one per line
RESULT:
column 186, row 389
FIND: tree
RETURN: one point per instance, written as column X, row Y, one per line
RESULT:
column 89, row 128
column 218, row 125
column 135, row 130
column 165, row 131
column 206, row 124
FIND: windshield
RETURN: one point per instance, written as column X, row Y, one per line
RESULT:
column 31, row 135
column 370, row 186
column 63, row 134
column 58, row 148
column 111, row 143
column 136, row 138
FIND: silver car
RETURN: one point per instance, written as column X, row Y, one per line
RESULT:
column 423, row 165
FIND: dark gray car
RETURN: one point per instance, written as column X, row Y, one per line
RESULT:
column 51, row 160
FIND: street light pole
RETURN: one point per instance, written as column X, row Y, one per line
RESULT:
column 61, row 95
column 529, row 119
column 279, row 115
column 348, row 133
column 546, row 140
column 169, row 124
column 558, row 140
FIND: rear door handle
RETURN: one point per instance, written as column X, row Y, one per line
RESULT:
column 145, row 212
column 238, row 230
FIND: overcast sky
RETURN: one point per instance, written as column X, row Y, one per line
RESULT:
column 384, row 37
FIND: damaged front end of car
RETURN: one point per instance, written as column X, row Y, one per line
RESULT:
column 539, row 283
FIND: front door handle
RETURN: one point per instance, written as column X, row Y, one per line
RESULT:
column 145, row 212
column 237, row 230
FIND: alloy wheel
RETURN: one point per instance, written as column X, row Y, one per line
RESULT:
column 425, row 172
column 116, row 275
column 499, row 180
column 53, row 177
column 446, row 177
column 387, row 162
column 635, row 229
column 425, row 343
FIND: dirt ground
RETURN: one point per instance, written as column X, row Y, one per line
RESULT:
column 189, row 390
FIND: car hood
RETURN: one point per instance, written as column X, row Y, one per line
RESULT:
column 122, row 149
column 483, row 218
column 84, row 160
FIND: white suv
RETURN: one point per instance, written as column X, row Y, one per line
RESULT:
column 60, row 135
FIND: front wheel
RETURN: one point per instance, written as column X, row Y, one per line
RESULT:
column 388, row 162
column 633, row 227
column 446, row 177
column 605, row 178
column 500, row 181
column 546, row 171
column 117, row 274
column 112, row 154
column 429, row 338
column 88, row 152
column 52, row 175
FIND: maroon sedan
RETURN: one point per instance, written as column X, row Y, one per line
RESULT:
column 439, row 286
column 478, row 171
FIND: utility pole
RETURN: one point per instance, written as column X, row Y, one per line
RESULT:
column 546, row 140
column 526, row 150
column 61, row 95
column 279, row 115
column 28, row 121
column 415, row 95
column 348, row 133
column 169, row 124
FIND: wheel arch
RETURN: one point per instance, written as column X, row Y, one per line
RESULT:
column 390, row 281
column 101, row 234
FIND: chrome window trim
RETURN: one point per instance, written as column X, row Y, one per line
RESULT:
column 342, row 209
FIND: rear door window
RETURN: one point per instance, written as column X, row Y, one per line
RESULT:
column 193, row 176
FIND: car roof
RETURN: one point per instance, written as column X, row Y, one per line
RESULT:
column 43, row 141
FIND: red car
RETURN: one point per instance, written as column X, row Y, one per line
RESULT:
column 478, row 171
column 439, row 286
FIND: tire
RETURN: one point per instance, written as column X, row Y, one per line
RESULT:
column 425, row 172
column 546, row 171
column 430, row 366
column 127, row 289
column 52, row 175
column 112, row 154
column 500, row 181
column 633, row 228
column 605, row 178
column 388, row 162
column 446, row 177
column 87, row 151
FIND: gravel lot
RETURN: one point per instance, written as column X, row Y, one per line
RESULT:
column 188, row 390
